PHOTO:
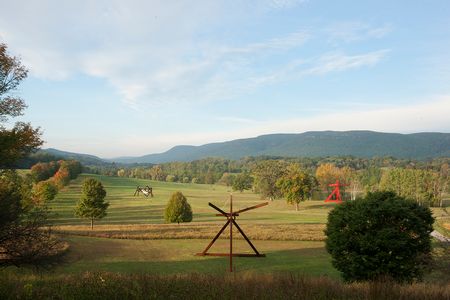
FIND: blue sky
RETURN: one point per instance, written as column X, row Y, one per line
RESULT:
column 115, row 78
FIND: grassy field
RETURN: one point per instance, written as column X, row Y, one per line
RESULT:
column 133, row 238
column 178, row 256
column 127, row 209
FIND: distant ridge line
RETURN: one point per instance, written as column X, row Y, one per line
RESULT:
column 358, row 143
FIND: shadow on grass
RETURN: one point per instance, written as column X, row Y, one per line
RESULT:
column 319, row 206
column 311, row 261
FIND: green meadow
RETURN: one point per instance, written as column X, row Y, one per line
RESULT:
column 128, row 209
column 133, row 237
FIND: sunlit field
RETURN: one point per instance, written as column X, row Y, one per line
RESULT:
column 128, row 209
column 134, row 239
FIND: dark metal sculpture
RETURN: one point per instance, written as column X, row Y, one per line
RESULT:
column 147, row 191
column 231, row 219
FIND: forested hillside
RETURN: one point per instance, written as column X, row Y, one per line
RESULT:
column 313, row 144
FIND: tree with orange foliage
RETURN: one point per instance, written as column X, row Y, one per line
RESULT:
column 327, row 173
column 62, row 177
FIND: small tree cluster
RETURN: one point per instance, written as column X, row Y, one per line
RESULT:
column 227, row 179
column 43, row 171
column 267, row 173
column 178, row 209
column 44, row 191
column 382, row 235
column 63, row 170
column 424, row 186
column 25, row 237
column 51, row 176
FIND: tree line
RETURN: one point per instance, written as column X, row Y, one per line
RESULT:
column 427, row 182
column 49, row 177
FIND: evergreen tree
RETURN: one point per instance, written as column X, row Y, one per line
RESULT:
column 178, row 209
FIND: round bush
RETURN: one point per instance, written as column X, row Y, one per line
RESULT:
column 178, row 209
column 382, row 235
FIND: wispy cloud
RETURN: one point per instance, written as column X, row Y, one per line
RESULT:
column 236, row 120
column 356, row 31
column 283, row 4
column 341, row 62
column 287, row 42
column 151, row 53
column 321, row 65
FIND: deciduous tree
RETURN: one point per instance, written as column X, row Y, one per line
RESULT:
column 44, row 191
column 227, row 179
column 22, row 139
column 296, row 185
column 266, row 175
column 242, row 182
column 92, row 205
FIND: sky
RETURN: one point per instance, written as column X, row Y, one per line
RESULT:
column 129, row 78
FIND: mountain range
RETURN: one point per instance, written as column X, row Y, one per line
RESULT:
column 309, row 144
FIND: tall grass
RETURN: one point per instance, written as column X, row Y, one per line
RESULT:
column 196, row 286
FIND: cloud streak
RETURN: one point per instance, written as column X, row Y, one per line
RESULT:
column 154, row 54
column 356, row 31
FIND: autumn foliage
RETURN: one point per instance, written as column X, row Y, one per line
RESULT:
column 49, row 177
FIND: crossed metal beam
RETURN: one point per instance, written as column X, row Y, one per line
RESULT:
column 231, row 219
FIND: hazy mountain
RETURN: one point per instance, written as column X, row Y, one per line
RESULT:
column 312, row 144
column 85, row 159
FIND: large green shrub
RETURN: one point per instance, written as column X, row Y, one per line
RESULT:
column 382, row 235
column 178, row 209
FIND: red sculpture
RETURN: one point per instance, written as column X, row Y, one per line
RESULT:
column 335, row 195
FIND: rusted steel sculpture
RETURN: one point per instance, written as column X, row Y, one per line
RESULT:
column 231, row 219
column 335, row 195
column 147, row 191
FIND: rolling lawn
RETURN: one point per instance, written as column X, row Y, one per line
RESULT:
column 140, row 241
column 126, row 209
column 133, row 237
